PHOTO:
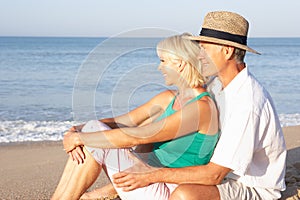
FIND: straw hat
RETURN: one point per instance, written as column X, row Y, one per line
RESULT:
column 226, row 28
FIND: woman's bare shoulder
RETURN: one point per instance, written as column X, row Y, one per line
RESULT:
column 164, row 97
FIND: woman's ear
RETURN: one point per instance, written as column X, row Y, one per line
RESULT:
column 182, row 65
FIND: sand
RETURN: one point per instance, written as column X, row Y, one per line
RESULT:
column 32, row 170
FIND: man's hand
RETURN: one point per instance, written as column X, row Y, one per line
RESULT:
column 139, row 175
column 130, row 181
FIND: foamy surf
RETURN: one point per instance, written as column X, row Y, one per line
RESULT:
column 24, row 131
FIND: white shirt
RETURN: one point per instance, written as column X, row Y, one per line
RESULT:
column 251, row 143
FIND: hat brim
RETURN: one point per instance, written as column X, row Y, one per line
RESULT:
column 220, row 41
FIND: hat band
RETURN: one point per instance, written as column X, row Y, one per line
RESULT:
column 224, row 36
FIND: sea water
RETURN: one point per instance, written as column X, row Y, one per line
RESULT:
column 48, row 84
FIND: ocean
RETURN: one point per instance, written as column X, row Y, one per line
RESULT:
column 49, row 84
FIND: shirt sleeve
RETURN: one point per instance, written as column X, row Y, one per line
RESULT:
column 236, row 145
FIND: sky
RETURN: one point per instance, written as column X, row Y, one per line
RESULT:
column 104, row 18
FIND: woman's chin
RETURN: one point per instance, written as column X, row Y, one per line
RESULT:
column 167, row 83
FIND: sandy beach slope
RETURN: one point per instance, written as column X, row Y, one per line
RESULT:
column 32, row 170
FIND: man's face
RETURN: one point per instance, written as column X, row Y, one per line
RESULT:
column 210, row 58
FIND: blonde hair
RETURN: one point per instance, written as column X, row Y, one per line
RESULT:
column 188, row 51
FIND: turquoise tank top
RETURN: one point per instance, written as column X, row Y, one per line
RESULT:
column 190, row 150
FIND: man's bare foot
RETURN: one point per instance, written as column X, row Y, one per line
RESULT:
column 105, row 192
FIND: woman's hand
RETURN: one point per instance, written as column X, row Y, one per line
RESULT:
column 71, row 141
column 77, row 128
column 77, row 155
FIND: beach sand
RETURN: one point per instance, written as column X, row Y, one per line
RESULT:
column 32, row 170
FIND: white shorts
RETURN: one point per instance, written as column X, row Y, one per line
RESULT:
column 116, row 160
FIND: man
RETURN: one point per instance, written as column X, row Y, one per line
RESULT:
column 249, row 159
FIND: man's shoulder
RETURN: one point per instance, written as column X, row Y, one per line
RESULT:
column 256, row 88
column 256, row 95
column 249, row 89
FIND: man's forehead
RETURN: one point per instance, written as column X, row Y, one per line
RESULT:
column 207, row 44
column 202, row 43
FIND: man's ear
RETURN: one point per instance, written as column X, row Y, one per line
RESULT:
column 228, row 51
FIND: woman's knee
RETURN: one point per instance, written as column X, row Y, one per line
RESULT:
column 95, row 125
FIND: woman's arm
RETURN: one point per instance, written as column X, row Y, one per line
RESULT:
column 145, row 113
column 187, row 120
column 140, row 116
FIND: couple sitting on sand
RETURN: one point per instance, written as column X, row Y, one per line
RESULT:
column 190, row 158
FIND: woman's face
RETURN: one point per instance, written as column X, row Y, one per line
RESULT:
column 169, row 67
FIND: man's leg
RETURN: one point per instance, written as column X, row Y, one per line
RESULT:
column 195, row 192
column 76, row 179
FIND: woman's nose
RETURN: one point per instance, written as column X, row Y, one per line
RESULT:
column 159, row 67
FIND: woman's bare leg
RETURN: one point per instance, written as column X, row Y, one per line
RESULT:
column 77, row 178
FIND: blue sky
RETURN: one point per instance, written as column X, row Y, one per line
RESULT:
column 95, row 18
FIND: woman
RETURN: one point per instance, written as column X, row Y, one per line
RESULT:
column 182, row 125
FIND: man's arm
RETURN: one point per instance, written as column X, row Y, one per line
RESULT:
column 210, row 174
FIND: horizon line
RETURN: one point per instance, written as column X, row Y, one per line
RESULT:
column 70, row 36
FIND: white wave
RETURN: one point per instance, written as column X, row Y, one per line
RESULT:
column 21, row 131
column 289, row 119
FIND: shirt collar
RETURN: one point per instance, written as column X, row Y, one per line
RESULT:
column 233, row 87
